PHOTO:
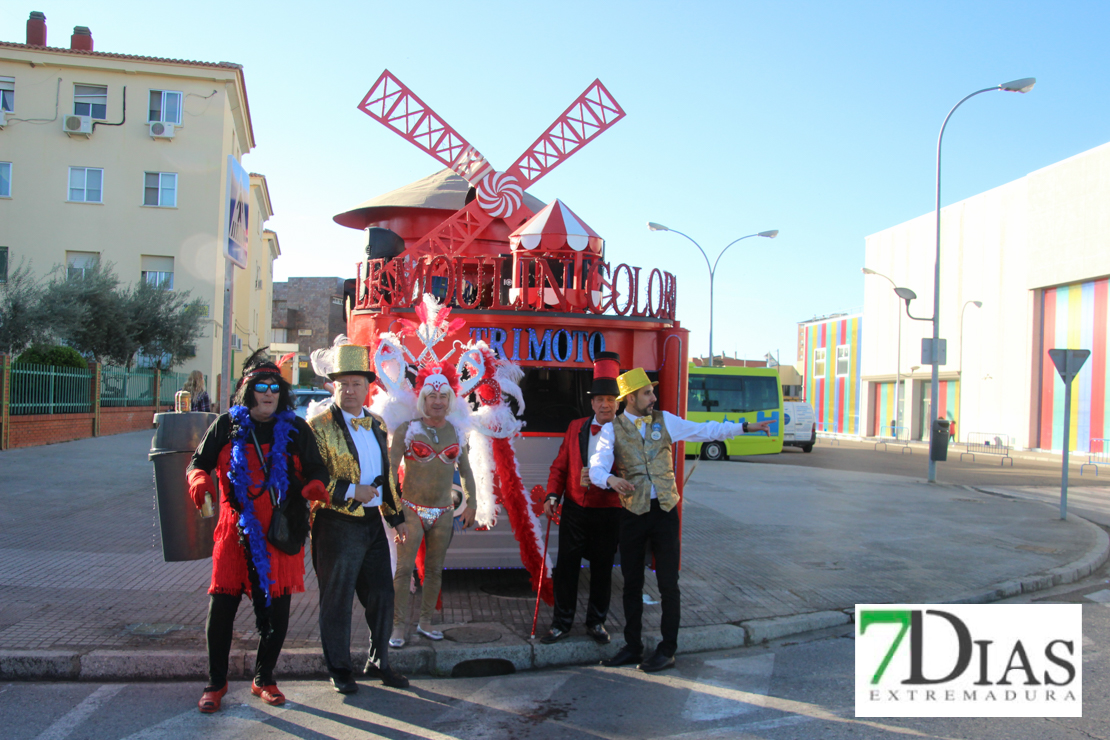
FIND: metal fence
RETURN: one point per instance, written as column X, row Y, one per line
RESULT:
column 1099, row 454
column 987, row 443
column 42, row 389
column 894, row 435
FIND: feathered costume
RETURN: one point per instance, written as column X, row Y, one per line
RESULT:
column 490, row 430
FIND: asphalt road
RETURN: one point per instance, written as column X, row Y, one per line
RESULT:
column 983, row 471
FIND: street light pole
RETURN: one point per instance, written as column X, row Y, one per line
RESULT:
column 1023, row 85
column 898, row 361
column 712, row 268
column 960, row 404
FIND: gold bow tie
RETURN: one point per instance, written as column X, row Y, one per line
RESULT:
column 365, row 422
column 641, row 423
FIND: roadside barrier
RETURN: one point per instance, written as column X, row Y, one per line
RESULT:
column 829, row 434
column 895, row 436
column 1099, row 454
column 986, row 443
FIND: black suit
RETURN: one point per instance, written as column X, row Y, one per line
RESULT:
column 349, row 549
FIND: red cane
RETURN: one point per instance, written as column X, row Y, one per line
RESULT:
column 543, row 572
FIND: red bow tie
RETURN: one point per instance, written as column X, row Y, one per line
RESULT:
column 594, row 429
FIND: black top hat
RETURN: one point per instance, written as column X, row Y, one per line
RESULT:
column 607, row 366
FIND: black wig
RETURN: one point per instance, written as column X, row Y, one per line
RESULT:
column 259, row 368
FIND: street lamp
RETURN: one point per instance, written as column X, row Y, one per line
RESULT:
column 1023, row 85
column 898, row 377
column 960, row 404
column 712, row 268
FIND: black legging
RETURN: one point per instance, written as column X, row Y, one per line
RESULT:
column 218, row 629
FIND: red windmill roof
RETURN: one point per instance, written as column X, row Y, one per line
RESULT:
column 556, row 228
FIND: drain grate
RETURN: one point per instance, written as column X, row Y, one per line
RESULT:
column 472, row 635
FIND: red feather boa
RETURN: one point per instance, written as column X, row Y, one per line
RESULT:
column 517, row 505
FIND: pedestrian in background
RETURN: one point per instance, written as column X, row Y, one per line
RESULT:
column 195, row 385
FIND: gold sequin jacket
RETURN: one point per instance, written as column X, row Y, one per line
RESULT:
column 333, row 437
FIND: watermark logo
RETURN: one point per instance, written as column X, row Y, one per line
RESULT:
column 969, row 660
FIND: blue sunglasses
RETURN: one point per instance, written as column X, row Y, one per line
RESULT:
column 263, row 387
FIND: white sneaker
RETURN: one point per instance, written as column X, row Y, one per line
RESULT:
column 430, row 634
column 396, row 642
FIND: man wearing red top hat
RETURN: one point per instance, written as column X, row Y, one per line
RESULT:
column 637, row 445
column 590, row 522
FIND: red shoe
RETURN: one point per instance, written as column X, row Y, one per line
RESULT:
column 210, row 700
column 270, row 694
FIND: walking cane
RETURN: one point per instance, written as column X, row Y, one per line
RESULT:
column 543, row 572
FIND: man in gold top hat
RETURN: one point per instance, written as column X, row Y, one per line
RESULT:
column 637, row 445
column 349, row 548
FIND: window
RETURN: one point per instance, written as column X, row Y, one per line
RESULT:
column 5, row 179
column 90, row 100
column 160, row 189
column 157, row 271
column 165, row 106
column 732, row 394
column 79, row 263
column 7, row 93
column 86, row 185
column 842, row 360
column 819, row 363
column 3, row 265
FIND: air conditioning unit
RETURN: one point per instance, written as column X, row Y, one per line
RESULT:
column 73, row 125
column 160, row 130
column 236, row 342
column 3, row 118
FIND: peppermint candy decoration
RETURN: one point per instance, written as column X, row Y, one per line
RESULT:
column 500, row 195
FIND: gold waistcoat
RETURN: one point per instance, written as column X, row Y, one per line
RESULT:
column 644, row 461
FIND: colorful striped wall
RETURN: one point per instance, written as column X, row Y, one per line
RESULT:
column 883, row 409
column 835, row 399
column 1074, row 317
column 949, row 400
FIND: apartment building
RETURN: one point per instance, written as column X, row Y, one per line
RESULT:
column 126, row 159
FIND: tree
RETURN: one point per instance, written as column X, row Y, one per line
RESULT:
column 104, row 331
column 164, row 324
column 32, row 312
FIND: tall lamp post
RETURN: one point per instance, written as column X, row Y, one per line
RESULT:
column 960, row 405
column 898, row 380
column 712, row 268
column 1023, row 85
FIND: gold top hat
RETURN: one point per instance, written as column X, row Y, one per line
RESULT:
column 352, row 359
column 632, row 381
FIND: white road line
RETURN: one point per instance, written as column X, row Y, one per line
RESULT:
column 751, row 673
column 72, row 719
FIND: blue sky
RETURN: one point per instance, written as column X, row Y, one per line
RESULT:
column 818, row 119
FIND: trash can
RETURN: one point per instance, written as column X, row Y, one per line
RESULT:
column 186, row 535
column 938, row 440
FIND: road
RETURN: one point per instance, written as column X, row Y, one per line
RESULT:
column 792, row 689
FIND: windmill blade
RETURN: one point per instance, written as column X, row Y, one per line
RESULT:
column 594, row 111
column 391, row 102
column 460, row 229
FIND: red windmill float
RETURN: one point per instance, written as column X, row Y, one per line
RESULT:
column 531, row 283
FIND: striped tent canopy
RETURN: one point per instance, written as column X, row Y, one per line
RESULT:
column 556, row 229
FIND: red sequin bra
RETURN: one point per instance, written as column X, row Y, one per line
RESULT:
column 423, row 452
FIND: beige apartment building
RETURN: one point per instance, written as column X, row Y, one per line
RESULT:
column 126, row 159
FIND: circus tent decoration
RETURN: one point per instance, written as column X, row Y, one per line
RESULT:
column 556, row 228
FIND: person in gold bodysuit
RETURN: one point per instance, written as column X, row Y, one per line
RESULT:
column 430, row 448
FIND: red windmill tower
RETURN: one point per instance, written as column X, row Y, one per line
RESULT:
column 500, row 195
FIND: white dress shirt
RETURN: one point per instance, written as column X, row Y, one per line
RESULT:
column 369, row 457
column 592, row 444
column 679, row 429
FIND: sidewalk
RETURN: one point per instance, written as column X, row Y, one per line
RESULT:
column 768, row 550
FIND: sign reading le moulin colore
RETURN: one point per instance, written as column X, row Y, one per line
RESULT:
column 969, row 660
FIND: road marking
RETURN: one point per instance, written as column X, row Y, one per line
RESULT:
column 518, row 697
column 73, row 719
column 1102, row 597
column 771, row 702
column 751, row 673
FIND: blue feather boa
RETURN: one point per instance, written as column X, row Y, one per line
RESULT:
column 242, row 482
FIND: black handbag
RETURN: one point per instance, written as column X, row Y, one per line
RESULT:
column 289, row 522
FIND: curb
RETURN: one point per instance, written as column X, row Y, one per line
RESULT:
column 510, row 652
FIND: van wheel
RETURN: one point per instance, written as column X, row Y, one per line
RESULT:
column 807, row 447
column 713, row 451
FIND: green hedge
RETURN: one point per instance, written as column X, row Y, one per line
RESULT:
column 55, row 356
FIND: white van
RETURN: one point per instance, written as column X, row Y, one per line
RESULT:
column 799, row 428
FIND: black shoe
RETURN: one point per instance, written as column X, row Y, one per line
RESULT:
column 624, row 656
column 388, row 676
column 657, row 662
column 554, row 635
column 601, row 637
column 344, row 686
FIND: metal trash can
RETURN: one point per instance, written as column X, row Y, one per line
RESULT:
column 186, row 535
column 938, row 440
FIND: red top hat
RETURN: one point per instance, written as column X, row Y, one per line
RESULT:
column 607, row 366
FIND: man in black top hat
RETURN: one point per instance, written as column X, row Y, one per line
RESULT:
column 589, row 525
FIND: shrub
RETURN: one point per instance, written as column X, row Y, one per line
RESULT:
column 56, row 355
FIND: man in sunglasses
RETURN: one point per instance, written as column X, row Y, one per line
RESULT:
column 349, row 548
